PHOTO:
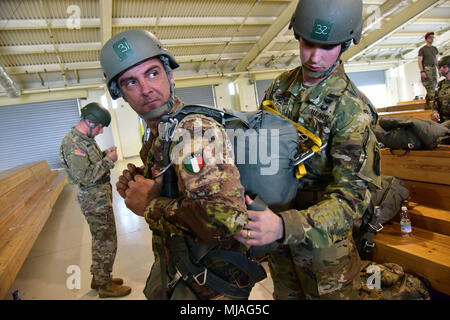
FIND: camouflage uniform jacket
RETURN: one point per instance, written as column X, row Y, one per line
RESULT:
column 442, row 103
column 83, row 160
column 340, row 115
column 210, row 206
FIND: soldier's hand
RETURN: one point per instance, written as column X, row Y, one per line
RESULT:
column 140, row 192
column 435, row 117
column 264, row 227
column 112, row 153
column 127, row 176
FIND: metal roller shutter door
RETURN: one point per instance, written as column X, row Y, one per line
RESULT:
column 261, row 87
column 197, row 95
column 33, row 132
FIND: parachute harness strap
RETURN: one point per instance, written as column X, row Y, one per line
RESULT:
column 317, row 146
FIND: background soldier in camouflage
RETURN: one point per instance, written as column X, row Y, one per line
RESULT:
column 441, row 106
column 204, row 203
column 89, row 167
column 427, row 64
column 317, row 258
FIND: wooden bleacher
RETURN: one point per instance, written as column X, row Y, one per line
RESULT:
column 27, row 195
column 426, row 252
column 415, row 109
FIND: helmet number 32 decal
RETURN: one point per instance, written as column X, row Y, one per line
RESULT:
column 123, row 49
column 321, row 30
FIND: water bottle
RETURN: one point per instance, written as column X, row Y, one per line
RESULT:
column 405, row 222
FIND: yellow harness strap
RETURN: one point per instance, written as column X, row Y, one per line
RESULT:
column 300, row 170
column 271, row 107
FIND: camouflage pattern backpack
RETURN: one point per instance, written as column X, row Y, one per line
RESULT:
column 388, row 281
column 384, row 205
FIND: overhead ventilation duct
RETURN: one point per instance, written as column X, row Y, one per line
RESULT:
column 8, row 84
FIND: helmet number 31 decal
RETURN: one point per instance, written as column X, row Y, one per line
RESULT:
column 321, row 30
column 123, row 49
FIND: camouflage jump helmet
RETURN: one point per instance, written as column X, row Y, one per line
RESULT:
column 96, row 114
column 445, row 61
column 127, row 49
column 328, row 21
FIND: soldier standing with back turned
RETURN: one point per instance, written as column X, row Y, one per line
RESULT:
column 88, row 167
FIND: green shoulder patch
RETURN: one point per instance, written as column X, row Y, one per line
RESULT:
column 321, row 30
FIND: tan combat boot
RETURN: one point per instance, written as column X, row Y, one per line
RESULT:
column 95, row 286
column 113, row 290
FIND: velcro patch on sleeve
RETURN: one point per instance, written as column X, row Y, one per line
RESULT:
column 79, row 152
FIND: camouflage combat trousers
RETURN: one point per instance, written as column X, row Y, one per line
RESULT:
column 430, row 83
column 96, row 205
column 299, row 272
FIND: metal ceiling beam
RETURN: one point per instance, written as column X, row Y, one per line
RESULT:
column 136, row 22
column 410, row 12
column 268, row 38
column 96, row 64
column 106, row 20
column 92, row 46
column 54, row 41
column 44, row 48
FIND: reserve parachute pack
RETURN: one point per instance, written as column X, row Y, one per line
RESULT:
column 410, row 133
column 269, row 149
column 385, row 203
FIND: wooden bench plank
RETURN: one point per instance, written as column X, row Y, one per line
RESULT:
column 421, row 114
column 424, row 253
column 14, row 176
column 429, row 194
column 411, row 102
column 418, row 165
column 428, row 218
column 404, row 107
column 18, row 241
column 15, row 211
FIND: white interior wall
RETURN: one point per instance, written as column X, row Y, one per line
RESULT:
column 246, row 93
column 411, row 85
column 129, row 129
column 223, row 99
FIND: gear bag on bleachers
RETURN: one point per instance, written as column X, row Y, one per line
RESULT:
column 385, row 203
column 411, row 133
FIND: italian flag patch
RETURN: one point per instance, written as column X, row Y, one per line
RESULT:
column 193, row 163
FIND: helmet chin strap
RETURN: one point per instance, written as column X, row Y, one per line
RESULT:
column 90, row 127
column 164, row 109
column 446, row 73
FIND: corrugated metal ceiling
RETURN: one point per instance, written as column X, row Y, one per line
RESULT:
column 38, row 49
